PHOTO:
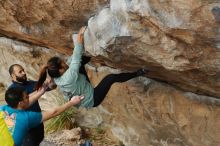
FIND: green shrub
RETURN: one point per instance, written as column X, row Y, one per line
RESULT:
column 63, row 121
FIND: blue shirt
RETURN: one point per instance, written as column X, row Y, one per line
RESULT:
column 29, row 87
column 35, row 134
column 19, row 122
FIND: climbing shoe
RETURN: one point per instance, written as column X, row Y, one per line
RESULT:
column 142, row 71
column 85, row 59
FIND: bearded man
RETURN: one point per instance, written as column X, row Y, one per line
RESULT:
column 19, row 79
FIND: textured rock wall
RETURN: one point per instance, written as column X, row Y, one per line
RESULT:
column 178, row 41
column 47, row 23
column 140, row 112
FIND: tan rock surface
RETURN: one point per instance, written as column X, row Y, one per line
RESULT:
column 139, row 112
column 178, row 41
column 143, row 113
column 47, row 23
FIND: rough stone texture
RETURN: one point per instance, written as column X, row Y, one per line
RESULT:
column 140, row 112
column 46, row 22
column 46, row 143
column 178, row 41
column 65, row 137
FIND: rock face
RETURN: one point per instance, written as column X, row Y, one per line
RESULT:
column 140, row 112
column 145, row 113
column 47, row 23
column 178, row 41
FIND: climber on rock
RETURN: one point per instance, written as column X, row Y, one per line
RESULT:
column 72, row 78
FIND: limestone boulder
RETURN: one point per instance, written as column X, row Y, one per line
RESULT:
column 178, row 41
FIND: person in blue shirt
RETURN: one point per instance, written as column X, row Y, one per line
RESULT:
column 19, row 79
column 68, row 77
column 19, row 120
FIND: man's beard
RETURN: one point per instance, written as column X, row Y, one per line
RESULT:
column 21, row 79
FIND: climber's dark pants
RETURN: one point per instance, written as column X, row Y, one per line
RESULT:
column 103, row 87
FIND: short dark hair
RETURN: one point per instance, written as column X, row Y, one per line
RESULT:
column 14, row 95
column 11, row 68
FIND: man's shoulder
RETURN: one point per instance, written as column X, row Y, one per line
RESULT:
column 29, row 85
column 31, row 82
column 16, row 84
column 7, row 109
column 2, row 107
column 12, row 85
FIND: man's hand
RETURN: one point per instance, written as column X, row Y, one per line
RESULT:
column 58, row 110
column 76, row 99
column 43, row 89
column 51, row 84
column 34, row 96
